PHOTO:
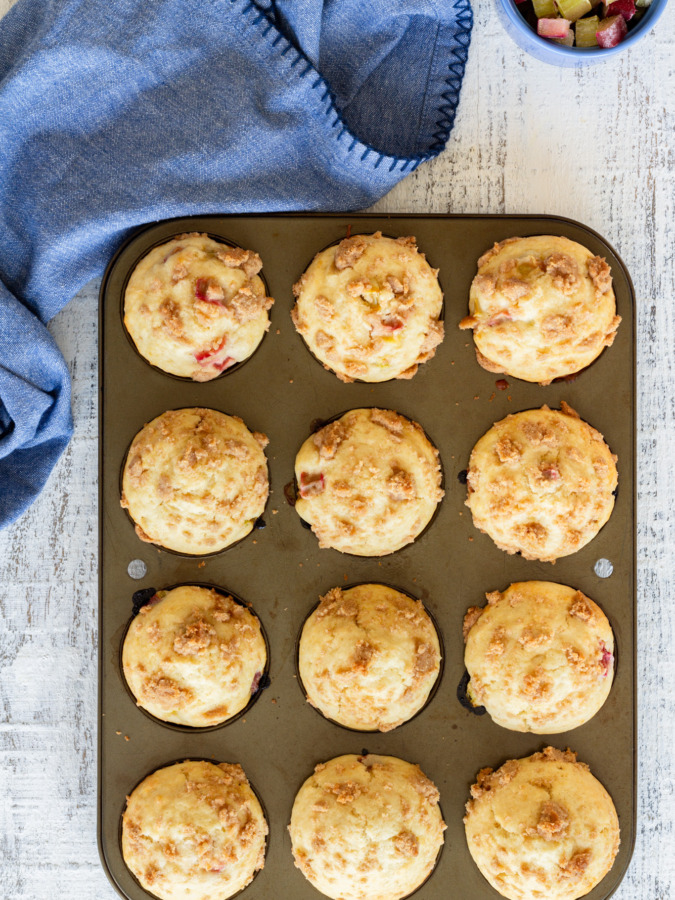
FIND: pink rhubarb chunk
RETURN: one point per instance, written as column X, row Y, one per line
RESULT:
column 215, row 357
column 611, row 31
column 607, row 660
column 555, row 29
column 311, row 484
column 625, row 8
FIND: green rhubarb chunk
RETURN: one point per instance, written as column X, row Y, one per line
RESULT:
column 573, row 9
column 643, row 2
column 585, row 31
column 544, row 9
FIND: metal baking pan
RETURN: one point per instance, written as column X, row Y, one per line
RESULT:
column 281, row 391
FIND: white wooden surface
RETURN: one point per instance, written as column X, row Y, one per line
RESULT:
column 597, row 145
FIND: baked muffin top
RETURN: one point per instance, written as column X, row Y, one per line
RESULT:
column 194, row 306
column 366, row 828
column 369, row 657
column 542, row 826
column 541, row 308
column 369, row 482
column 194, row 656
column 369, row 308
column 541, row 483
column 540, row 657
column 195, row 480
column 194, row 829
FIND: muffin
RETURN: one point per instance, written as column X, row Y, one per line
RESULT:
column 368, row 482
column 366, row 828
column 194, row 829
column 369, row 308
column 369, row 657
column 194, row 306
column 194, row 656
column 195, row 480
column 541, row 483
column 541, row 308
column 542, row 826
column 540, row 657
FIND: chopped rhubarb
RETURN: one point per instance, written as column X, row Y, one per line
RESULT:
column 573, row 9
column 214, row 357
column 551, row 473
column 544, row 9
column 310, row 485
column 585, row 31
column 625, row 8
column 208, row 290
column 504, row 315
column 568, row 40
column 550, row 28
column 607, row 659
column 203, row 356
column 611, row 31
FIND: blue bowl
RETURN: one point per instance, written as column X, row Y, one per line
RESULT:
column 549, row 52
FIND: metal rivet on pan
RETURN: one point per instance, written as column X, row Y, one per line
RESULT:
column 137, row 569
column 603, row 568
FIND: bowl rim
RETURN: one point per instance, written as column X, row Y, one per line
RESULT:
column 649, row 19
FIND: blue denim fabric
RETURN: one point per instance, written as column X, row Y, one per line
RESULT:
column 114, row 113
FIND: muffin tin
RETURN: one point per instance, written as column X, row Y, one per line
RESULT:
column 282, row 391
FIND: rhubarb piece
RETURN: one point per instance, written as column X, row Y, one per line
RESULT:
column 568, row 40
column 544, row 9
column 550, row 28
column 573, row 9
column 611, row 31
column 625, row 8
column 643, row 3
column 585, row 31
column 607, row 660
column 310, row 485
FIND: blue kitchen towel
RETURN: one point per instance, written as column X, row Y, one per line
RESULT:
column 115, row 113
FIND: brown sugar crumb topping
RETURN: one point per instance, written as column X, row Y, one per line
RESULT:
column 532, row 533
column 237, row 258
column 472, row 616
column 363, row 654
column 194, row 638
column 388, row 419
column 329, row 438
column 553, row 821
column 600, row 274
column 487, row 780
column 406, row 843
column 400, row 485
column 581, row 607
column 507, row 450
column 426, row 788
column 563, row 271
column 533, row 638
column 538, row 434
column 576, row 865
column 558, row 326
column 170, row 312
column 350, row 250
column 165, row 691
column 535, row 684
column 425, row 659
column 513, row 289
column 347, row 791
column 224, row 609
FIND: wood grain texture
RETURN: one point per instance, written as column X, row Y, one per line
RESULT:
column 595, row 144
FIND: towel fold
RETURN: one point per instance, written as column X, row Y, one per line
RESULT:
column 115, row 113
